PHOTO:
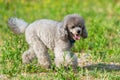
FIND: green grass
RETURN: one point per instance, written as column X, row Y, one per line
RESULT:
column 103, row 24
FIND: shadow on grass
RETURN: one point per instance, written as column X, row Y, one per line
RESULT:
column 104, row 66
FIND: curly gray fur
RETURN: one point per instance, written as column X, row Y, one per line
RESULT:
column 18, row 26
column 45, row 34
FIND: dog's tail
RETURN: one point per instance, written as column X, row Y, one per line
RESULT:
column 18, row 26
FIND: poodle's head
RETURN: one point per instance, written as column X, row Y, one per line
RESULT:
column 75, row 27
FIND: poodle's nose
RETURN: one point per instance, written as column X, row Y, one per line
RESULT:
column 78, row 31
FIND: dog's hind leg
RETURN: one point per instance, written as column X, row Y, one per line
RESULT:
column 28, row 55
column 41, row 52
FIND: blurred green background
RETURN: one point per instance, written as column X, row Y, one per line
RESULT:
column 102, row 20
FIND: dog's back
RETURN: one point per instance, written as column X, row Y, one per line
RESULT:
column 45, row 29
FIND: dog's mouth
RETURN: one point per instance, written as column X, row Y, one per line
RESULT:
column 76, row 36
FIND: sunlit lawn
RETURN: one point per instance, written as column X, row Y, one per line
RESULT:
column 103, row 24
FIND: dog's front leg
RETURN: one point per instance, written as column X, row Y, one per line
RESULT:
column 65, row 58
column 41, row 52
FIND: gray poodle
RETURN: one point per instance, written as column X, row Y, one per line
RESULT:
column 45, row 34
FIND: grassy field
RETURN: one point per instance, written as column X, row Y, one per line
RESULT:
column 103, row 43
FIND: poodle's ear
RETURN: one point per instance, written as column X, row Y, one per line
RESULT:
column 62, row 32
column 84, row 32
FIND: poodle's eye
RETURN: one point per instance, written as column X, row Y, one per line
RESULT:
column 80, row 25
column 73, row 27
